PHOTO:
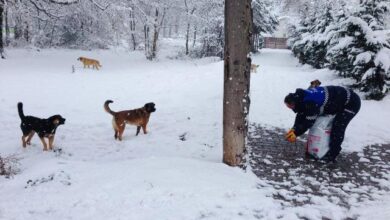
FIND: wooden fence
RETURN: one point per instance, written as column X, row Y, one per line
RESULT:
column 275, row 42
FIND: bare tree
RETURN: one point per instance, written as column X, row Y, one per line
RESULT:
column 2, row 4
column 6, row 23
column 156, row 28
column 238, row 26
column 189, row 13
column 132, row 29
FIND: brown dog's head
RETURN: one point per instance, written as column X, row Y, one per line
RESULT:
column 149, row 107
column 315, row 83
column 57, row 120
column 80, row 59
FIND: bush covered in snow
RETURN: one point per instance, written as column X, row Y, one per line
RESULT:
column 8, row 166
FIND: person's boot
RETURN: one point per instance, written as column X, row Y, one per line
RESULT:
column 329, row 158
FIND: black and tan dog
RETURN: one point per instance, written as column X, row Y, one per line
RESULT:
column 138, row 117
column 46, row 128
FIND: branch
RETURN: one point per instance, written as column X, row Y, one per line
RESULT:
column 100, row 6
column 65, row 2
column 44, row 10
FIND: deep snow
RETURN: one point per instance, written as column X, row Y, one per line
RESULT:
column 153, row 176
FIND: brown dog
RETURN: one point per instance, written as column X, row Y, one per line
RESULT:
column 90, row 62
column 314, row 83
column 254, row 68
column 138, row 117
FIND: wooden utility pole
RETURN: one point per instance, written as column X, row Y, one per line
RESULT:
column 238, row 27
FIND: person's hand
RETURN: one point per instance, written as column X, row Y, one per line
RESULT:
column 290, row 136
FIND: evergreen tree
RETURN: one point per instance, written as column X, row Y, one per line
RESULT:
column 316, row 46
column 302, row 34
column 264, row 22
column 338, row 45
column 359, row 47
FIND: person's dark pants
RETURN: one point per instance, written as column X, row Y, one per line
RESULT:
column 340, row 124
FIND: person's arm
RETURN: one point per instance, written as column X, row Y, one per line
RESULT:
column 304, row 120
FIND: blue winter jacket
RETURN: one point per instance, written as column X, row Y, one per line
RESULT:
column 313, row 102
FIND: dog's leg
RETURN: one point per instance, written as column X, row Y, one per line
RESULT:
column 144, row 128
column 23, row 141
column 138, row 129
column 44, row 143
column 30, row 137
column 121, row 129
column 51, row 141
column 116, row 130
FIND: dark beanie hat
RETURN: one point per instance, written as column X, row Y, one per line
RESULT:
column 290, row 98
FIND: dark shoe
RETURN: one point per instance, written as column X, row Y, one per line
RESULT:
column 309, row 156
column 328, row 158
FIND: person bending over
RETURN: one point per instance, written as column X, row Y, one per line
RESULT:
column 310, row 103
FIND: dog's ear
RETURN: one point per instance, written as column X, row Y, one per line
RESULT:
column 57, row 120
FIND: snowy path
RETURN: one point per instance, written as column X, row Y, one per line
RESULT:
column 299, row 182
column 280, row 73
column 329, row 191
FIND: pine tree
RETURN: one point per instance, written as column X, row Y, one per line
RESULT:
column 316, row 46
column 337, row 54
column 302, row 34
column 358, row 47
column 371, row 65
column 264, row 22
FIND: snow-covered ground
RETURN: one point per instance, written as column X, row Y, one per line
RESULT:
column 157, row 175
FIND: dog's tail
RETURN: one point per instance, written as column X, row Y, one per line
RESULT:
column 107, row 108
column 20, row 110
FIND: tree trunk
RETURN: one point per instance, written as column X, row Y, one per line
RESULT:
column 132, row 29
column 238, row 26
column 26, row 32
column 7, row 31
column 194, row 40
column 1, row 29
column 155, row 36
column 188, row 14
column 177, row 21
column 147, row 42
column 157, row 27
column 187, row 37
column 254, row 43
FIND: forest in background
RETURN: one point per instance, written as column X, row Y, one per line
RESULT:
column 350, row 37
